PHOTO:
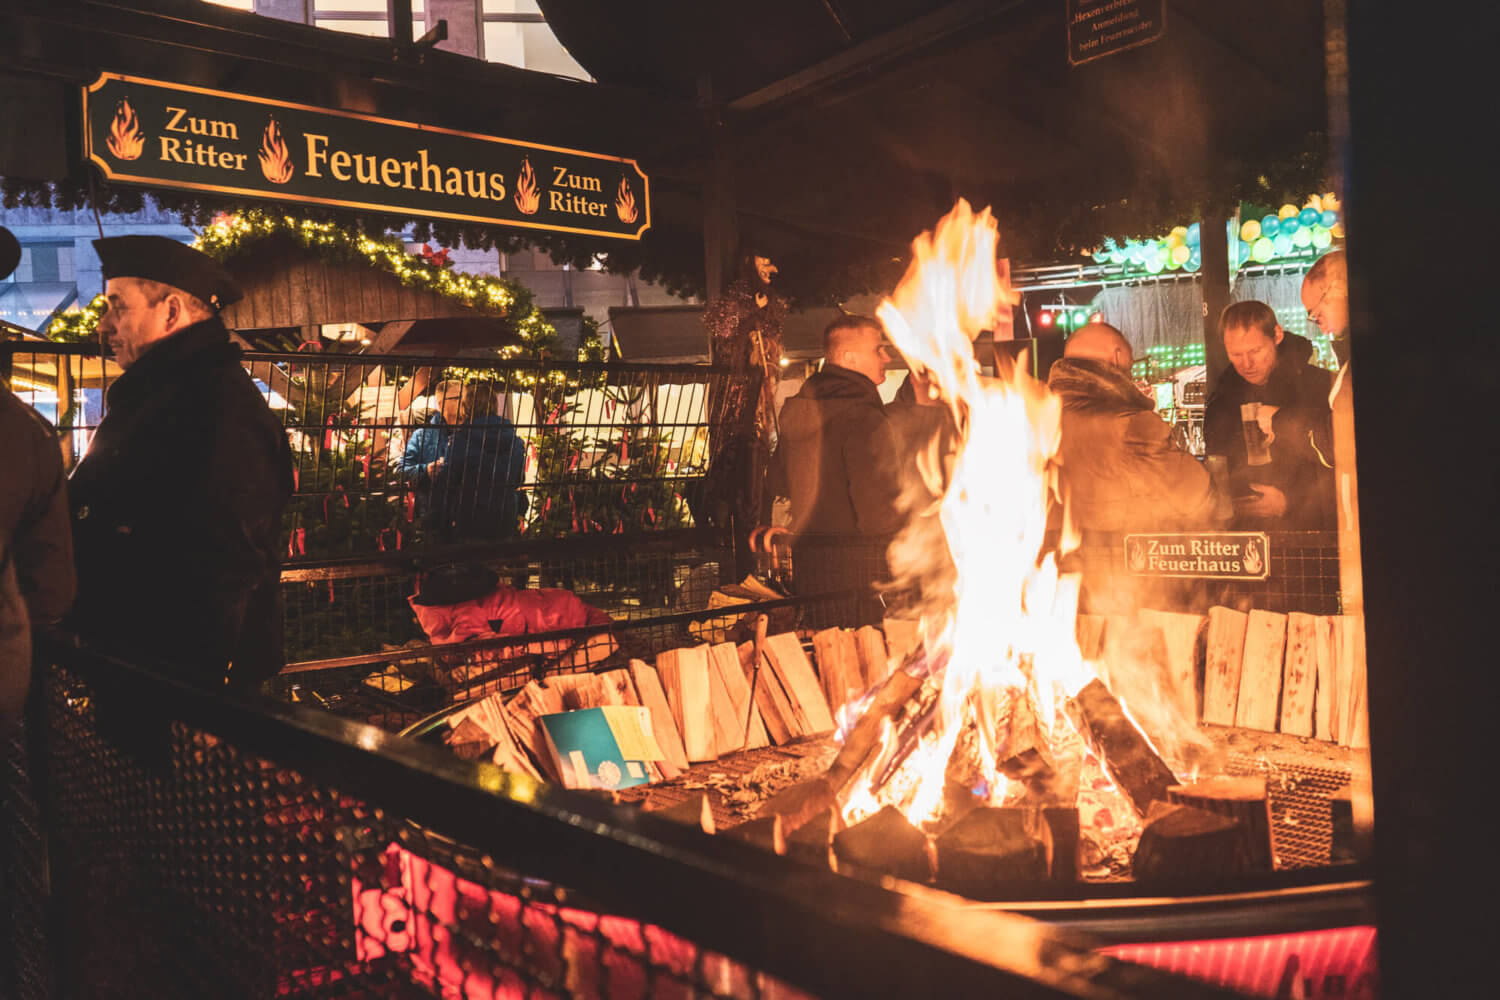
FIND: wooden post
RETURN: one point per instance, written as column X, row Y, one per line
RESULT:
column 1213, row 245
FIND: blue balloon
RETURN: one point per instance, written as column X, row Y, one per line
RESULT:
column 1244, row 252
column 1282, row 244
column 1329, row 219
column 1194, row 235
column 1270, row 226
column 1101, row 257
column 1194, row 261
column 1310, row 216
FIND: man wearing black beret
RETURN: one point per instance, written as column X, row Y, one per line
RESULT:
column 177, row 505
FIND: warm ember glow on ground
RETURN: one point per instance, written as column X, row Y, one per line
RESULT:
column 1000, row 629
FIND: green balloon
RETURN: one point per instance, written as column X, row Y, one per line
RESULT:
column 1321, row 238
column 1262, row 251
column 1302, row 237
column 1155, row 261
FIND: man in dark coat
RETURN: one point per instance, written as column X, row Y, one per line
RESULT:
column 835, row 463
column 36, row 542
column 177, row 505
column 1271, row 367
column 837, row 448
column 1118, row 467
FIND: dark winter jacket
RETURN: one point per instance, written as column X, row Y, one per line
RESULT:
column 34, row 510
column 177, row 511
column 476, row 491
column 1119, row 469
column 36, row 544
column 1300, row 392
column 835, row 459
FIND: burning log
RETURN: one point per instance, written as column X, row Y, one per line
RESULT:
column 1182, row 843
column 1026, row 755
column 1123, row 750
column 885, row 843
column 1221, row 669
column 992, row 848
column 862, row 739
column 1260, row 671
column 1243, row 800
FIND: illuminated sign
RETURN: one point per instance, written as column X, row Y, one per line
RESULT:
column 174, row 136
column 1210, row 555
column 1098, row 28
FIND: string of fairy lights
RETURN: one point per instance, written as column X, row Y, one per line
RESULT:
column 230, row 235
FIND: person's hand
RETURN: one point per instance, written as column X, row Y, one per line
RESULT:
column 1263, row 417
column 1270, row 503
column 433, row 466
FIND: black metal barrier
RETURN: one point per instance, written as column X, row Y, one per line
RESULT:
column 393, row 689
column 188, row 845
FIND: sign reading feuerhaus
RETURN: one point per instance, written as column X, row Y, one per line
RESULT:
column 1103, row 27
column 1213, row 555
column 170, row 135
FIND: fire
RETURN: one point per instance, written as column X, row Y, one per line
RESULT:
column 528, row 195
column 625, row 203
column 275, row 161
column 126, row 140
column 999, row 627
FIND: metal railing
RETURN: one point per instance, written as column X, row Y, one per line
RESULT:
column 187, row 845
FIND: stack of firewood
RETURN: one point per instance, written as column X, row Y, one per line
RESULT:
column 700, row 698
column 1293, row 673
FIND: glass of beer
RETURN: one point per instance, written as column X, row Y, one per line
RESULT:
column 1257, row 449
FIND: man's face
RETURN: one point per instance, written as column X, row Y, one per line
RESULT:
column 1252, row 353
column 764, row 268
column 870, row 356
column 132, row 323
column 1327, row 305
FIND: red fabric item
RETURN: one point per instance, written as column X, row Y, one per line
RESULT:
column 515, row 612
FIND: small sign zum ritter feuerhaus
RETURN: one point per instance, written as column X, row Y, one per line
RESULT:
column 1212, row 555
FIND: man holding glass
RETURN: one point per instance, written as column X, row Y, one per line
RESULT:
column 1275, row 484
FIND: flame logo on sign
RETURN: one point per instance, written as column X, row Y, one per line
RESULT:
column 1136, row 554
column 528, row 195
column 1253, row 563
column 275, row 161
column 126, row 141
column 625, row 203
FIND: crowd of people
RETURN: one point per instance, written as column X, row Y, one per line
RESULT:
column 852, row 467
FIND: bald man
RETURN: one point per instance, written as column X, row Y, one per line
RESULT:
column 835, row 458
column 1118, row 466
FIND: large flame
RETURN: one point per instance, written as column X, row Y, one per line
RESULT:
column 126, row 141
column 275, row 160
column 625, row 203
column 528, row 195
column 1003, row 621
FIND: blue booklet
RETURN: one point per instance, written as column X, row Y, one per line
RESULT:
column 602, row 747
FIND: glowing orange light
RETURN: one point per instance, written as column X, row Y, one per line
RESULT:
column 528, row 196
column 126, row 141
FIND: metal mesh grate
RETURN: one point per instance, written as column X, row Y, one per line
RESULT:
column 24, row 974
column 1301, row 824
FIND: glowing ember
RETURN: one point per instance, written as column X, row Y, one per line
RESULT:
column 625, row 203
column 1000, row 621
column 275, row 161
column 528, row 195
column 126, row 141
